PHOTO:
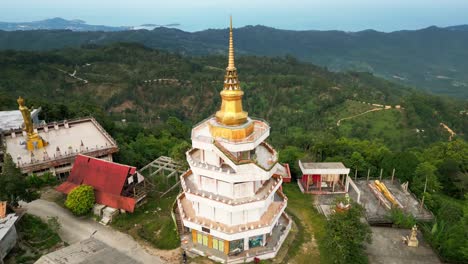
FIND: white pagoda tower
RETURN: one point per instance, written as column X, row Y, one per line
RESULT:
column 232, row 205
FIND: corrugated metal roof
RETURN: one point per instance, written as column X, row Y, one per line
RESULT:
column 107, row 179
column 66, row 187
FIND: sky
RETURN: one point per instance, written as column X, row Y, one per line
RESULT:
column 194, row 15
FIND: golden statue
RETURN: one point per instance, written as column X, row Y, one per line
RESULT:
column 413, row 239
column 34, row 141
column 233, row 122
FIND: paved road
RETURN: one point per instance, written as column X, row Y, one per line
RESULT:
column 74, row 229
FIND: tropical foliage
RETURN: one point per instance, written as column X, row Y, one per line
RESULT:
column 13, row 184
column 346, row 236
column 301, row 102
column 80, row 200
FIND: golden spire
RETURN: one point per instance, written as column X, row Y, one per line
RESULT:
column 231, row 49
column 231, row 121
column 231, row 113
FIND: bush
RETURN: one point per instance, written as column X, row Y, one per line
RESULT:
column 400, row 219
column 346, row 236
column 37, row 182
column 80, row 200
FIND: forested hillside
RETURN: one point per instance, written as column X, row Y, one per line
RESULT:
column 149, row 99
column 295, row 97
column 432, row 59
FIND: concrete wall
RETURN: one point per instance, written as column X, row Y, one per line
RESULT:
column 8, row 242
column 211, row 158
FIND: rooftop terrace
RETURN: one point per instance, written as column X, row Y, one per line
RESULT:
column 377, row 213
column 64, row 140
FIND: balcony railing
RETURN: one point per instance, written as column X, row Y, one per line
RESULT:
column 187, row 213
column 261, row 194
column 260, row 128
column 240, row 161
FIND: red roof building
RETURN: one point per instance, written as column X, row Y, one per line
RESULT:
column 115, row 185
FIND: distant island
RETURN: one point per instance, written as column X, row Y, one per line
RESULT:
column 58, row 23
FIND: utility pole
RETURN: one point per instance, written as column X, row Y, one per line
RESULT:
column 425, row 187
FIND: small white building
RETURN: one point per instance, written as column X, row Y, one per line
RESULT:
column 323, row 177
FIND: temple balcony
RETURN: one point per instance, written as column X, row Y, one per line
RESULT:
column 232, row 232
column 265, row 157
column 258, row 200
column 232, row 169
column 201, row 136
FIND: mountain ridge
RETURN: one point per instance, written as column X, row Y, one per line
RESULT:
column 432, row 59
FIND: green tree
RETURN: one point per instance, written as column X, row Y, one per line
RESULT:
column 451, row 178
column 426, row 170
column 178, row 152
column 13, row 184
column 346, row 235
column 291, row 155
column 80, row 200
column 358, row 162
column 404, row 164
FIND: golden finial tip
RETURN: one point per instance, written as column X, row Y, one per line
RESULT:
column 20, row 101
column 231, row 48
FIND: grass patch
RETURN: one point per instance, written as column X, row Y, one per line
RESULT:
column 37, row 233
column 388, row 125
column 152, row 222
column 307, row 246
column 36, row 239
column 160, row 233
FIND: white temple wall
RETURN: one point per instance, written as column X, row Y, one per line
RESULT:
column 252, row 215
column 261, row 204
column 244, row 189
column 258, row 185
column 222, row 216
column 211, row 158
column 196, row 207
column 246, row 175
column 238, row 218
column 208, row 184
column 225, row 189
column 206, row 211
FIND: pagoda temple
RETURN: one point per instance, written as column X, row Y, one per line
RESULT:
column 232, row 205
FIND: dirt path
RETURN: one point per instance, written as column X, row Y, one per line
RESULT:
column 73, row 75
column 363, row 113
column 452, row 134
column 75, row 229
